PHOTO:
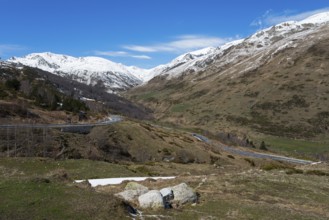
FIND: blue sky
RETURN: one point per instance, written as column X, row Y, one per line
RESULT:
column 144, row 33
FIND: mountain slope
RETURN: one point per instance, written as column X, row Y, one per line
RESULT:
column 200, row 60
column 32, row 94
column 274, row 82
column 87, row 70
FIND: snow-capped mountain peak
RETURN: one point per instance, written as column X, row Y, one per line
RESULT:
column 89, row 70
column 276, row 36
column 194, row 54
column 319, row 18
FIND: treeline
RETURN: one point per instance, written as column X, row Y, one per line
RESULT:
column 54, row 92
column 28, row 84
column 111, row 103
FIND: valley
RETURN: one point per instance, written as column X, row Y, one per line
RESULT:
column 245, row 125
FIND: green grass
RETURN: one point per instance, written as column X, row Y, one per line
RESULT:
column 233, row 209
column 28, row 190
column 147, row 95
column 28, row 199
column 76, row 169
column 295, row 147
column 180, row 107
column 259, row 195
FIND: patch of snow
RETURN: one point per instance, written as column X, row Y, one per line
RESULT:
column 115, row 181
column 87, row 99
column 316, row 19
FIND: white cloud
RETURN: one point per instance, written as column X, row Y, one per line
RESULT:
column 142, row 57
column 121, row 54
column 140, row 48
column 112, row 53
column 180, row 44
column 9, row 48
column 270, row 18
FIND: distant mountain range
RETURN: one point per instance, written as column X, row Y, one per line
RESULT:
column 88, row 70
column 117, row 77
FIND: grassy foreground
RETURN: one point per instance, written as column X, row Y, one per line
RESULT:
column 37, row 188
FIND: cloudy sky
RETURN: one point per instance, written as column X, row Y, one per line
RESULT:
column 144, row 33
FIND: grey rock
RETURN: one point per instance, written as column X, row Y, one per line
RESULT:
column 136, row 186
column 166, row 191
column 132, row 191
column 152, row 199
column 129, row 195
column 184, row 194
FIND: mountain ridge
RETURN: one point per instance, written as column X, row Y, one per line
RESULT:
column 258, row 41
column 88, row 70
column 273, row 82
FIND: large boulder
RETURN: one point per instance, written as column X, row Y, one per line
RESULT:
column 152, row 199
column 129, row 195
column 184, row 194
column 132, row 191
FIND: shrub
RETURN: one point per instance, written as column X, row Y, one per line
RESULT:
column 250, row 161
column 13, row 84
column 317, row 173
column 166, row 151
column 275, row 166
column 294, row 171
column 73, row 105
column 3, row 93
column 263, row 146
column 184, row 157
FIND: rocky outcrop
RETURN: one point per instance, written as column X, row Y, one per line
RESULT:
column 178, row 195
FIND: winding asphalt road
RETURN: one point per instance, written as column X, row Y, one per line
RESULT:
column 266, row 156
column 110, row 120
column 255, row 154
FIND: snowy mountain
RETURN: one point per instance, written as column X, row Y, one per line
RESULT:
column 266, row 43
column 262, row 45
column 273, row 82
column 187, row 61
column 88, row 70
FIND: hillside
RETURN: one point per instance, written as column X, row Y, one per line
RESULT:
column 32, row 95
column 273, row 82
